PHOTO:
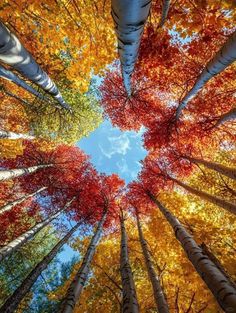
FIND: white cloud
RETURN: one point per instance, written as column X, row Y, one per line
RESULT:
column 118, row 145
column 122, row 166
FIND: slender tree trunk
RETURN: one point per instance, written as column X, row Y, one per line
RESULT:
column 129, row 19
column 227, row 117
column 77, row 285
column 11, row 135
column 17, row 172
column 129, row 299
column 10, row 205
column 229, row 206
column 8, row 75
column 222, row 169
column 24, row 238
column 13, row 301
column 165, row 10
column 225, row 56
column 13, row 53
column 159, row 296
column 222, row 289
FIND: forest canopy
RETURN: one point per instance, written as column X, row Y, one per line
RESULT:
column 149, row 225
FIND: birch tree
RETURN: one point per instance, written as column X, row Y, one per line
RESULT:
column 224, row 57
column 129, row 19
column 129, row 300
column 13, row 53
column 220, row 286
column 8, row 75
column 77, row 285
column 24, row 238
column 14, row 136
column 159, row 295
column 15, row 299
column 17, row 172
column 7, row 207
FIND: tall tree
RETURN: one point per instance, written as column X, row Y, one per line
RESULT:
column 14, row 300
column 25, row 237
column 129, row 300
column 77, row 285
column 129, row 28
column 13, row 53
column 217, row 282
column 11, row 135
column 159, row 295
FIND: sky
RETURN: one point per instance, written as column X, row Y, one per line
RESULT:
column 115, row 151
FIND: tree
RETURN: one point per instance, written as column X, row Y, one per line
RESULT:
column 129, row 299
column 13, row 301
column 129, row 29
column 75, row 289
column 11, row 135
column 161, row 303
column 218, row 283
column 13, row 53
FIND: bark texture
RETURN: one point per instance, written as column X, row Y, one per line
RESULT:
column 129, row 18
column 11, row 135
column 13, row 301
column 129, row 299
column 165, row 10
column 159, row 295
column 16, row 172
column 24, row 238
column 13, row 53
column 229, row 206
column 10, row 205
column 224, row 57
column 8, row 75
column 220, row 286
column 77, row 285
column 222, row 169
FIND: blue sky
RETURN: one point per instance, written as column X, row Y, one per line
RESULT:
column 115, row 151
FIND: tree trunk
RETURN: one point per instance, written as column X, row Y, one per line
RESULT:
column 17, row 172
column 222, row 289
column 77, row 285
column 227, row 117
column 129, row 299
column 129, row 19
column 8, row 75
column 165, row 10
column 229, row 206
column 225, row 56
column 10, row 205
column 24, row 238
column 13, row 301
column 13, row 53
column 159, row 296
column 11, row 135
column 222, row 169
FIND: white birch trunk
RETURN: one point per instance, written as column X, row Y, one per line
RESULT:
column 15, row 299
column 129, row 18
column 8, row 75
column 226, row 205
column 7, row 207
column 225, row 56
column 17, row 172
column 129, row 297
column 14, row 136
column 13, row 53
column 77, row 285
column 159, row 296
column 222, row 289
column 24, row 238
